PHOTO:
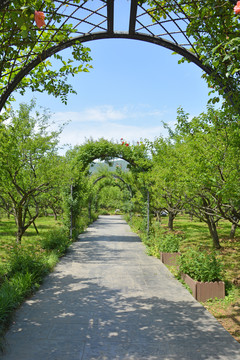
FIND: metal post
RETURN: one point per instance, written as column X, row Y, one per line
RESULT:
column 148, row 212
column 71, row 212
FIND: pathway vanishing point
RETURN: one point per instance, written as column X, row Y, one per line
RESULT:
column 107, row 299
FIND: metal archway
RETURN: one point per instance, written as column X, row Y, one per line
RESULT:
column 90, row 20
column 115, row 177
column 103, row 177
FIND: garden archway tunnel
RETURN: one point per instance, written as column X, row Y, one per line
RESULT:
column 136, row 155
column 71, row 22
column 108, row 177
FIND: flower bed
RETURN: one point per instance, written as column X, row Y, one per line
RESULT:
column 170, row 259
column 202, row 291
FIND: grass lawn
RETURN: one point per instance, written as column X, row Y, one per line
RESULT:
column 31, row 238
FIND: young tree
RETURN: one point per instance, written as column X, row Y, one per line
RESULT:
column 28, row 163
column 166, row 174
column 212, row 161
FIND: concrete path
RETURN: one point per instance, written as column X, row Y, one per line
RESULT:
column 108, row 300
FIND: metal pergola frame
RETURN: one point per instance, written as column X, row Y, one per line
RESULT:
column 94, row 20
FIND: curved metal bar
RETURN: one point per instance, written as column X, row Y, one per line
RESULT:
column 116, row 177
column 97, row 36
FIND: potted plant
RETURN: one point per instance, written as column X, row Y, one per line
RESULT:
column 168, row 246
column 202, row 272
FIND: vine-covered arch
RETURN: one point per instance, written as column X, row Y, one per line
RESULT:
column 115, row 177
column 24, row 46
column 136, row 155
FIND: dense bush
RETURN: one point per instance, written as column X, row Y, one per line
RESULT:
column 25, row 260
column 57, row 241
column 169, row 243
column 201, row 265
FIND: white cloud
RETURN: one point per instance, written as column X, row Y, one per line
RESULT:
column 129, row 122
column 110, row 131
column 106, row 113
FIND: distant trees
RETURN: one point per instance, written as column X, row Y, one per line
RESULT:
column 196, row 169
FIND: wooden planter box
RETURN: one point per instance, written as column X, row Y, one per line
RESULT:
column 169, row 258
column 202, row 291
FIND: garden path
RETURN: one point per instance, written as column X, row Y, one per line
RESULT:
column 108, row 300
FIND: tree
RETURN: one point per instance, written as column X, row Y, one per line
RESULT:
column 28, row 163
column 166, row 175
column 212, row 162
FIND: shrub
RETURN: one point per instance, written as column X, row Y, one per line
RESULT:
column 201, row 265
column 56, row 240
column 24, row 261
column 169, row 243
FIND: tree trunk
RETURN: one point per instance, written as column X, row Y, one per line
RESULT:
column 233, row 231
column 55, row 215
column 18, row 220
column 213, row 231
column 158, row 216
column 19, row 235
column 170, row 220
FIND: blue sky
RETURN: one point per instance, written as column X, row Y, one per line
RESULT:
column 132, row 88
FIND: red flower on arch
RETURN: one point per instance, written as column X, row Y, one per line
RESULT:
column 39, row 19
column 237, row 8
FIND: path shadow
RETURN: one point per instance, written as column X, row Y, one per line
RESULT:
column 104, row 321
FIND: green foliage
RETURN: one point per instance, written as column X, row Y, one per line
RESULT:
column 57, row 241
column 24, row 260
column 102, row 149
column 215, row 30
column 30, row 166
column 169, row 243
column 23, row 44
column 201, row 265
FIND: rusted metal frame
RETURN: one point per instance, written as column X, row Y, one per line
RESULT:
column 89, row 23
column 179, row 19
column 172, row 20
column 133, row 16
column 110, row 16
column 92, row 13
column 160, row 34
column 30, row 53
column 98, row 26
column 96, row 36
column 115, row 177
column 67, row 16
column 183, row 12
column 145, row 12
column 83, row 20
column 164, row 21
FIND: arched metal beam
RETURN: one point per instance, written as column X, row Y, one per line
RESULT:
column 115, row 177
column 97, row 36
